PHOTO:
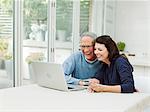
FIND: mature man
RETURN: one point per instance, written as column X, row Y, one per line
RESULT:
column 82, row 64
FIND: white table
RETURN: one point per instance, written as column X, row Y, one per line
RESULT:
column 34, row 98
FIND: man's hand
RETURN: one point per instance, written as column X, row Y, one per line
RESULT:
column 81, row 82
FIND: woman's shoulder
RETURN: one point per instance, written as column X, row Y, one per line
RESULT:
column 122, row 61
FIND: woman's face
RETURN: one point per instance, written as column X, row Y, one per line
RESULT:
column 101, row 52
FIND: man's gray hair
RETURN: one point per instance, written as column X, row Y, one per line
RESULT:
column 89, row 34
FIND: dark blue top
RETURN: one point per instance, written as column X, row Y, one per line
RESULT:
column 118, row 73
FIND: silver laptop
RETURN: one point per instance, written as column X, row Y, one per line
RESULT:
column 51, row 75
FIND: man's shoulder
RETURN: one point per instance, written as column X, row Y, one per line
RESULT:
column 77, row 54
column 74, row 58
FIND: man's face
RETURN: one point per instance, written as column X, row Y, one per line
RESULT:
column 86, row 45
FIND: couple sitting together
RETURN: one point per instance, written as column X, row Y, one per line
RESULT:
column 99, row 62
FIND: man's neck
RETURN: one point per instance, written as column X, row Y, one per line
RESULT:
column 91, row 60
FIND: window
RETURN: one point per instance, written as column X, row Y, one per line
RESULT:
column 35, row 34
column 85, row 11
column 6, row 43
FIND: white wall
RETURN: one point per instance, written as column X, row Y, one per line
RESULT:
column 133, row 26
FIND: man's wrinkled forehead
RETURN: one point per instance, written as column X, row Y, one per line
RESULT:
column 86, row 40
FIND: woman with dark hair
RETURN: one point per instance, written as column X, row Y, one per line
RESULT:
column 116, row 74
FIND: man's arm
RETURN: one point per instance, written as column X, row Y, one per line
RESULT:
column 69, row 66
column 71, row 80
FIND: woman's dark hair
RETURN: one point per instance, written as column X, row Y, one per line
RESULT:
column 111, row 46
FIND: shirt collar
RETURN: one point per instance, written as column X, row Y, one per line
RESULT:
column 91, row 61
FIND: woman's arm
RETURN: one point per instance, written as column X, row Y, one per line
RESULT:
column 104, row 88
column 122, row 76
column 125, row 70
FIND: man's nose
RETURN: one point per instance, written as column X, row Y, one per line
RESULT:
column 86, row 49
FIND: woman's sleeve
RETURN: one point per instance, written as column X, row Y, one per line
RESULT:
column 125, row 71
column 99, row 74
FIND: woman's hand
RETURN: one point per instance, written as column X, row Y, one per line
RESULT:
column 93, row 83
column 95, row 87
column 88, row 82
column 94, row 80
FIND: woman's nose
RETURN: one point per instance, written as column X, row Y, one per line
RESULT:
column 95, row 51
